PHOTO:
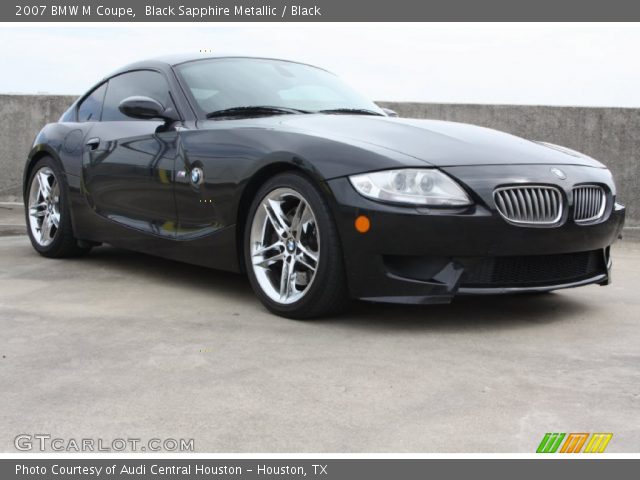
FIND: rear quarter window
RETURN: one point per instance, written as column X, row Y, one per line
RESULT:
column 69, row 115
column 91, row 107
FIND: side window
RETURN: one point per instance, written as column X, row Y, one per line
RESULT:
column 140, row 83
column 89, row 109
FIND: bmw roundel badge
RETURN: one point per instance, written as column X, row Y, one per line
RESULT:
column 559, row 173
column 197, row 175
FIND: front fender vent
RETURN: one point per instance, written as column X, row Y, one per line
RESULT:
column 529, row 204
column 589, row 202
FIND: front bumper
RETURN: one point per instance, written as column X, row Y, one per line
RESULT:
column 420, row 255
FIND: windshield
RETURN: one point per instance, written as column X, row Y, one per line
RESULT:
column 224, row 83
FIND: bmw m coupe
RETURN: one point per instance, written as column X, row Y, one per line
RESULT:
column 279, row 170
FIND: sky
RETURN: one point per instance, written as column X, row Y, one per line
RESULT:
column 539, row 64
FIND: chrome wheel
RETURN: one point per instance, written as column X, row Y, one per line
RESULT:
column 284, row 245
column 44, row 206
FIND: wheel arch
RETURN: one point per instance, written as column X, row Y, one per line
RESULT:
column 37, row 153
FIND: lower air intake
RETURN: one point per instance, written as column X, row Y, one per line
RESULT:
column 535, row 270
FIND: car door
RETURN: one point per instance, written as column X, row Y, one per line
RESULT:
column 128, row 165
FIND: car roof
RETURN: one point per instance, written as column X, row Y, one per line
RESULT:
column 165, row 62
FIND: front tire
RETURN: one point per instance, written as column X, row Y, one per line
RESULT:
column 47, row 212
column 292, row 250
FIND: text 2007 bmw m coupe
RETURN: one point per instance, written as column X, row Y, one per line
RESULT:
column 279, row 170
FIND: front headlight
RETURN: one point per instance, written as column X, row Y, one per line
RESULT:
column 413, row 186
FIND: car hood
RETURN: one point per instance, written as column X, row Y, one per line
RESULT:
column 436, row 142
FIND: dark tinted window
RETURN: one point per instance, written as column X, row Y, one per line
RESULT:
column 141, row 83
column 89, row 110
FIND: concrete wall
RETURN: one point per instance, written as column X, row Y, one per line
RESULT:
column 611, row 135
column 22, row 116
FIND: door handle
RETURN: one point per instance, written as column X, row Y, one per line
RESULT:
column 93, row 143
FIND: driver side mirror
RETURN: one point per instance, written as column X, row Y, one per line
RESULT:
column 146, row 108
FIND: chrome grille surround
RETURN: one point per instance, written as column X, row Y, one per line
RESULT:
column 529, row 204
column 589, row 202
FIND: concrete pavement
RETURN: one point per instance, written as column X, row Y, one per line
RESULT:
column 120, row 344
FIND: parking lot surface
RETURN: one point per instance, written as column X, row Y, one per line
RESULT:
column 120, row 344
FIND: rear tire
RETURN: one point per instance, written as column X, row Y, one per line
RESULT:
column 47, row 212
column 292, row 250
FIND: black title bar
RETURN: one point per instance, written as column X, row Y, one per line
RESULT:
column 316, row 10
column 316, row 469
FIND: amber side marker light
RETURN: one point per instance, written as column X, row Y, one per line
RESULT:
column 363, row 224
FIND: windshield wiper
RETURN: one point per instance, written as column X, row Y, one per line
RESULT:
column 253, row 110
column 353, row 111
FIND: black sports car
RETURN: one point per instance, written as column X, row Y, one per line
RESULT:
column 279, row 170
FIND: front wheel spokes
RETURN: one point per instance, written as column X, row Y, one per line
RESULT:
column 277, row 218
column 305, row 221
column 296, row 221
column 307, row 258
column 286, row 276
column 303, row 261
column 259, row 260
column 285, row 245
column 268, row 262
column 261, row 249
